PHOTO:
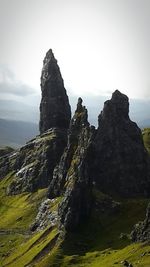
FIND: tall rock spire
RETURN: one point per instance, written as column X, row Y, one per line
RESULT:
column 55, row 110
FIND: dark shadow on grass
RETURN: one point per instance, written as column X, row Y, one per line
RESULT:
column 103, row 231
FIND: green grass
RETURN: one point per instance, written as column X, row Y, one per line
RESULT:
column 146, row 138
column 31, row 249
column 97, row 242
column 133, row 253
column 7, row 244
column 18, row 212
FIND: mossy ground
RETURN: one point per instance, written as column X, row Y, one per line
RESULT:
column 31, row 250
column 146, row 138
column 97, row 243
column 16, row 213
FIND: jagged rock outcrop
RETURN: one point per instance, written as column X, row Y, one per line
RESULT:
column 141, row 231
column 33, row 164
column 78, row 126
column 5, row 151
column 47, row 215
column 72, row 176
column 54, row 108
column 121, row 163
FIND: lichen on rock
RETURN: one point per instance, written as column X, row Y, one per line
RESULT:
column 35, row 162
column 71, row 176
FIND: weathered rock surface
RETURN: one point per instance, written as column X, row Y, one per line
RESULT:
column 5, row 151
column 79, row 128
column 121, row 163
column 72, row 176
column 54, row 108
column 7, row 163
column 33, row 164
column 141, row 231
column 47, row 215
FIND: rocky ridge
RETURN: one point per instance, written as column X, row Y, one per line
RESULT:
column 141, row 231
column 33, row 164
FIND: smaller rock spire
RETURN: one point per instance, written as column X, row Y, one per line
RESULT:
column 80, row 117
column 79, row 105
column 50, row 53
column 121, row 162
column 116, row 109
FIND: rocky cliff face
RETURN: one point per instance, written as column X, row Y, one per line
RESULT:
column 33, row 164
column 121, row 163
column 71, row 177
column 141, row 231
column 54, row 108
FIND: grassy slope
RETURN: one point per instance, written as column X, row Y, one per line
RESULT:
column 32, row 249
column 97, row 243
column 146, row 138
column 17, row 213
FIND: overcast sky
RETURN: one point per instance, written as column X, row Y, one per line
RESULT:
column 100, row 45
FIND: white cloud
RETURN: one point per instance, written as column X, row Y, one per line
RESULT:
column 9, row 85
column 100, row 45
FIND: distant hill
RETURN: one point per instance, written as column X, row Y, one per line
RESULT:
column 16, row 133
column 144, row 124
column 18, row 111
column 29, row 111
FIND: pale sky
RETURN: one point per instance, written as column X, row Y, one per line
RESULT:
column 100, row 45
